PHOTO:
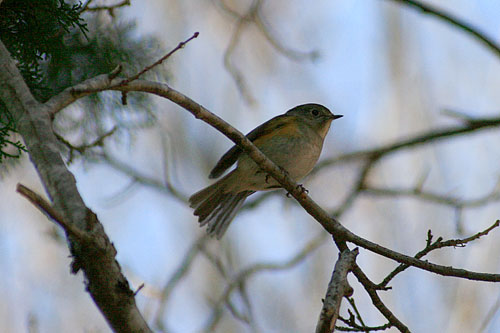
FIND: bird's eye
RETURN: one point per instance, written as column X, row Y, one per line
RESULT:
column 315, row 112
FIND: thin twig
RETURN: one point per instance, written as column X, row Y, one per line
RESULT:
column 159, row 61
column 254, row 15
column 490, row 315
column 142, row 178
column 438, row 244
column 139, row 289
column 231, row 47
column 454, row 21
column 85, row 5
column 360, row 328
column 250, row 271
column 109, row 8
column 420, row 139
column 175, row 278
column 433, row 197
column 371, row 289
column 352, row 303
column 99, row 142
column 48, row 210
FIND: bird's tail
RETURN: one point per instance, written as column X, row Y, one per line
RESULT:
column 216, row 208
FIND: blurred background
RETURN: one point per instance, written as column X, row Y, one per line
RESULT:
column 393, row 72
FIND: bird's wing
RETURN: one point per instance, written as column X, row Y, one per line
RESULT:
column 232, row 155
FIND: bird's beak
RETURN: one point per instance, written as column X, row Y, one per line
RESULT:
column 336, row 116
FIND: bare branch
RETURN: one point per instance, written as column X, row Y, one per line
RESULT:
column 490, row 315
column 457, row 204
column 109, row 8
column 353, row 326
column 371, row 289
column 159, row 61
column 454, row 21
column 355, row 308
column 102, row 83
column 172, row 282
column 103, row 277
column 431, row 246
column 48, row 210
column 99, row 142
column 250, row 271
column 433, row 197
column 139, row 177
column 235, row 73
column 85, row 5
column 287, row 52
column 254, row 15
column 360, row 328
column 338, row 288
column 421, row 139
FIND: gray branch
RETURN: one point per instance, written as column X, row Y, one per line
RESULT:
column 106, row 82
column 337, row 289
column 103, row 277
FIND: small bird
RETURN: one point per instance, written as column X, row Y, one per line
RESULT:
column 293, row 141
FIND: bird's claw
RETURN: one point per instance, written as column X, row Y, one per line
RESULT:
column 302, row 190
column 282, row 170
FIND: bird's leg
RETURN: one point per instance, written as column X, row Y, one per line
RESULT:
column 268, row 176
column 302, row 188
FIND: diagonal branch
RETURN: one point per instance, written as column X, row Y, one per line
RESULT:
column 250, row 271
column 104, row 280
column 103, row 82
column 454, row 21
column 254, row 16
column 438, row 244
column 47, row 209
column 159, row 61
column 371, row 289
column 421, row 139
column 109, row 8
column 179, row 273
column 338, row 288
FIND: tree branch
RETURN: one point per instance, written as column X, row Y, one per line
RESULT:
column 338, row 288
column 438, row 244
column 371, row 289
column 103, row 277
column 48, row 210
column 104, row 82
column 179, row 273
column 109, row 8
column 159, row 61
column 454, row 21
column 246, row 273
column 425, row 138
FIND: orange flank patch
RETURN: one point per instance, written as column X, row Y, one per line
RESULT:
column 287, row 127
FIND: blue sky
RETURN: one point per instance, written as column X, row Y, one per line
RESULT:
column 390, row 70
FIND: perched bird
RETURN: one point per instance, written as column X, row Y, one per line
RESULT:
column 293, row 141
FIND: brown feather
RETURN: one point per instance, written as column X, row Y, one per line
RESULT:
column 232, row 155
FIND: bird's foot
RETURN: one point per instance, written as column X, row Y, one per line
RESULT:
column 302, row 190
column 268, row 177
column 284, row 171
